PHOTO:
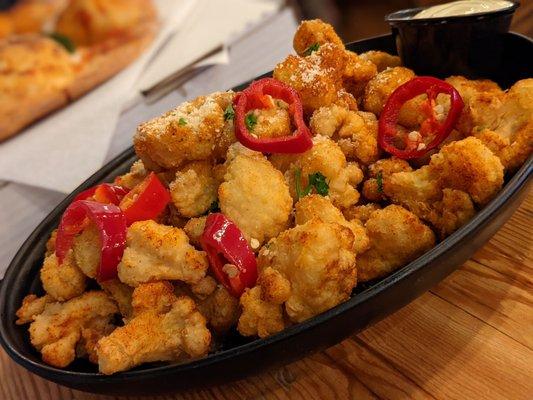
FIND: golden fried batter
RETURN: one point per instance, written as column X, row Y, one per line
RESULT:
column 194, row 131
column 135, row 176
column 62, row 282
column 121, row 294
column 327, row 158
column 508, row 130
column 254, row 196
column 194, row 229
column 381, row 169
column 397, row 237
column 272, row 122
column 317, row 78
column 312, row 33
column 382, row 85
column 31, row 307
column 316, row 206
column 87, row 252
column 58, row 329
column 357, row 74
column 356, row 132
column 259, row 317
column 194, row 189
column 361, row 212
column 220, row 309
column 163, row 328
column 381, row 59
column 155, row 252
column 318, row 261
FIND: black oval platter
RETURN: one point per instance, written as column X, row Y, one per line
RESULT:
column 239, row 357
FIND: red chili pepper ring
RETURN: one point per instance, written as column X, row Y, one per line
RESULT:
column 388, row 134
column 254, row 97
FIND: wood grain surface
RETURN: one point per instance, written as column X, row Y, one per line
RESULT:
column 470, row 337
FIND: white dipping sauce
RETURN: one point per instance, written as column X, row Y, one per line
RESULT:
column 463, row 7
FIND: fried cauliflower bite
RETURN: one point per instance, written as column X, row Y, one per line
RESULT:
column 220, row 308
column 397, row 237
column 356, row 132
column 87, row 22
column 259, row 317
column 194, row 189
column 57, row 331
column 482, row 98
column 316, row 206
column 327, row 158
column 357, row 74
column 361, row 213
column 193, row 131
column 468, row 165
column 135, row 176
column 30, row 16
column 317, row 78
column 510, row 132
column 194, row 229
column 31, row 307
column 312, row 33
column 443, row 193
column 62, row 282
column 163, row 328
column 272, row 122
column 254, row 196
column 86, row 250
column 121, row 294
column 317, row 260
column 373, row 186
column 381, row 59
column 155, row 252
column 382, row 85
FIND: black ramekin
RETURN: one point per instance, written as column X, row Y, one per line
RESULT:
column 470, row 45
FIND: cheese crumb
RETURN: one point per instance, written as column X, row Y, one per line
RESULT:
column 254, row 243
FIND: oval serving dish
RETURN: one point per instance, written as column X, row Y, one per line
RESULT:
column 239, row 357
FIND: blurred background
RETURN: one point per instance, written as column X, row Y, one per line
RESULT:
column 358, row 19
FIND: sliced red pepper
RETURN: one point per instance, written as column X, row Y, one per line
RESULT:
column 231, row 259
column 104, row 193
column 111, row 225
column 389, row 136
column 256, row 96
column 146, row 200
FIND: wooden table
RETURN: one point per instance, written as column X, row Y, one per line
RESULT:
column 471, row 337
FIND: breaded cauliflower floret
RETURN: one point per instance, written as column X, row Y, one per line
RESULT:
column 316, row 206
column 381, row 59
column 155, row 252
column 318, row 261
column 87, row 252
column 443, row 193
column 381, row 169
column 31, row 307
column 259, row 317
column 362, row 212
column 357, row 74
column 272, row 122
column 397, row 237
column 382, row 85
column 220, row 309
column 312, row 33
column 254, row 196
column 356, row 132
column 317, row 78
column 58, row 329
column 135, row 176
column 509, row 133
column 470, row 166
column 194, row 189
column 327, row 158
column 62, row 282
column 163, row 328
column 121, row 294
column 193, row 131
